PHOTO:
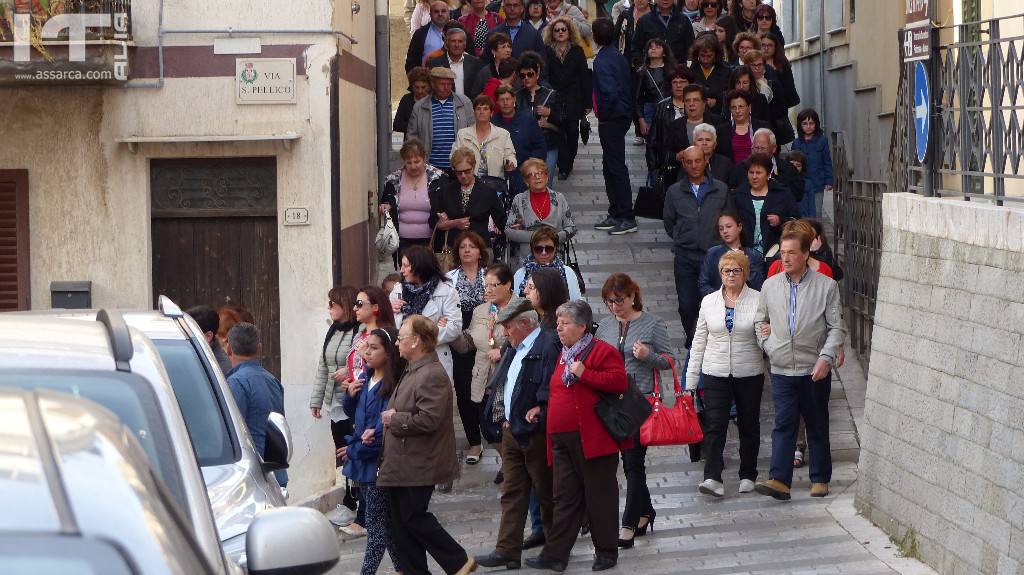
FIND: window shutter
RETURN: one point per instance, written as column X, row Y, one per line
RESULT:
column 14, row 263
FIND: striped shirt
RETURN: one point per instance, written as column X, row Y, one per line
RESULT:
column 442, row 137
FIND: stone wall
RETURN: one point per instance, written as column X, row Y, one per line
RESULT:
column 942, row 453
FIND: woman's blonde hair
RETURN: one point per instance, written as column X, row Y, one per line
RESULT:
column 533, row 163
column 574, row 31
column 460, row 155
column 735, row 258
column 424, row 329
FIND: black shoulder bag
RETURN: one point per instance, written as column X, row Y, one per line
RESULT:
column 622, row 414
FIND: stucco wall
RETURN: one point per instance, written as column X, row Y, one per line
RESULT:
column 90, row 196
column 942, row 445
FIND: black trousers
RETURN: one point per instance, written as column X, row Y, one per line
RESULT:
column 569, row 145
column 585, row 492
column 687, row 272
column 638, row 496
column 339, row 429
column 719, row 394
column 469, row 411
column 415, row 532
column 613, row 167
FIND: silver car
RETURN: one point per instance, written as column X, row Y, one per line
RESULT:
column 239, row 482
column 119, row 368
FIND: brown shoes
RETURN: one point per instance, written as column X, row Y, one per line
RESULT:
column 773, row 488
column 819, row 489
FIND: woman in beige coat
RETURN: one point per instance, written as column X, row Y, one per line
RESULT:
column 419, row 452
column 492, row 146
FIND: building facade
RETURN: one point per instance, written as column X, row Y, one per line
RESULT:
column 234, row 165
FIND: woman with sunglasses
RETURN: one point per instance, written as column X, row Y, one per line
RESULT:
column 465, row 203
column 710, row 12
column 766, row 21
column 546, row 105
column 333, row 377
column 544, row 255
column 540, row 206
column 569, row 75
column 468, row 279
column 643, row 342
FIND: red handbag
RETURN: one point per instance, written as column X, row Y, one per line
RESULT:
column 676, row 425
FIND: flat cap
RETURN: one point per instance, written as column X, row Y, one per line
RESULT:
column 515, row 307
column 442, row 72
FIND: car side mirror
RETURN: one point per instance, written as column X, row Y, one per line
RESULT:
column 291, row 540
column 277, row 452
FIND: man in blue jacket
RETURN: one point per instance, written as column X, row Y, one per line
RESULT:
column 524, row 36
column 614, row 109
column 256, row 391
column 513, row 414
column 527, row 137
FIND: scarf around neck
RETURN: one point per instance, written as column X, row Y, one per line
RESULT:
column 530, row 264
column 416, row 297
column 569, row 355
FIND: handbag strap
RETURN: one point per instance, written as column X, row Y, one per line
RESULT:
column 675, row 377
column 433, row 234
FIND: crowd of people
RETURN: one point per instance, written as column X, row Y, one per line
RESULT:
column 487, row 311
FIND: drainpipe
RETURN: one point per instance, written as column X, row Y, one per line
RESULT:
column 821, row 65
column 159, row 83
column 383, row 71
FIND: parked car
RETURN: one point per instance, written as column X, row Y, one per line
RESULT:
column 119, row 367
column 239, row 483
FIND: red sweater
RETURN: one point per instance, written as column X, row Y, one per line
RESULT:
column 823, row 268
column 572, row 408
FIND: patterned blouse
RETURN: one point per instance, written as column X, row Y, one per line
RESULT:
column 471, row 293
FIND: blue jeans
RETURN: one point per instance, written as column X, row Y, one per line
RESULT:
column 808, row 205
column 796, row 397
column 649, row 114
column 552, row 161
column 536, row 524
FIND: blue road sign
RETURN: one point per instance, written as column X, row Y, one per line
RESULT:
column 922, row 109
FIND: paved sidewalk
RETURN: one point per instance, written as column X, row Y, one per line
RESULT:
column 692, row 533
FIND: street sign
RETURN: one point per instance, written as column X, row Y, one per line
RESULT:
column 922, row 109
column 917, row 33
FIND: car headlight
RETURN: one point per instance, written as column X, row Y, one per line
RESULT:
column 234, row 549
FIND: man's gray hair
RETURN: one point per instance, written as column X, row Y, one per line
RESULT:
column 707, row 128
column 530, row 318
column 456, row 30
column 766, row 132
column 244, row 339
column 576, row 311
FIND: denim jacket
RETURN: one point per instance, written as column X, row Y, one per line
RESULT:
column 365, row 409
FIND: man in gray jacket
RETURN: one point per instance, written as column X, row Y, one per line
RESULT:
column 799, row 327
column 436, row 120
column 692, row 207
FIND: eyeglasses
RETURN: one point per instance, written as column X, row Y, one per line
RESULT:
column 528, row 74
column 731, row 271
column 614, row 301
column 765, row 17
column 559, row 30
column 544, row 249
column 359, row 303
column 401, row 337
column 465, row 172
column 709, row 5
column 535, row 175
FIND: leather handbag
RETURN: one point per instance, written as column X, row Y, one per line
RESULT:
column 650, row 200
column 676, row 425
column 574, row 263
column 622, row 414
column 386, row 241
column 445, row 257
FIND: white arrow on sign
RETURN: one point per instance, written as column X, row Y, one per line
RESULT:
column 921, row 109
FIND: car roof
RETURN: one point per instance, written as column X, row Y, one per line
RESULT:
column 155, row 324
column 30, row 340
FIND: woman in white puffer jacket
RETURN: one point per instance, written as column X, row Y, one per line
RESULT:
column 726, row 354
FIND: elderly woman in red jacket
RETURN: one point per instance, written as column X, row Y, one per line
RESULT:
column 583, row 456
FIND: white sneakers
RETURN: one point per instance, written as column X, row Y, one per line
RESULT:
column 717, row 489
column 712, row 487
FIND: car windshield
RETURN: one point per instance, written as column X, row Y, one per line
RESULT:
column 33, row 554
column 199, row 406
column 130, row 397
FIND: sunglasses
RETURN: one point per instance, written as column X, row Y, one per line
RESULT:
column 559, row 30
column 359, row 303
column 709, row 5
column 528, row 73
column 465, row 172
column 765, row 17
column 331, row 303
column 544, row 249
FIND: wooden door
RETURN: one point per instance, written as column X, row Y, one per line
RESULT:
column 14, row 262
column 215, row 239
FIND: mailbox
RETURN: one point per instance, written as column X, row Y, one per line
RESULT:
column 71, row 295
